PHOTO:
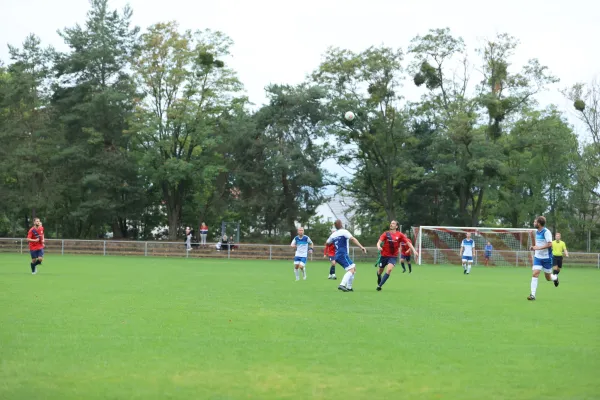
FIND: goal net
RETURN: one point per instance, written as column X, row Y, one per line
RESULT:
column 441, row 245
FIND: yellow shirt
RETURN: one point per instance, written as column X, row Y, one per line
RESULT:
column 558, row 248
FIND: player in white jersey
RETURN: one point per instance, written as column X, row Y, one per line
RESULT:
column 542, row 258
column 341, row 239
column 303, row 246
column 466, row 250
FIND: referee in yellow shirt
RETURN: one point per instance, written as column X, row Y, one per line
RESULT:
column 558, row 249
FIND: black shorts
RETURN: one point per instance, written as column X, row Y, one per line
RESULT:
column 557, row 261
column 405, row 258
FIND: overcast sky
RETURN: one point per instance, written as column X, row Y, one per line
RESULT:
column 278, row 41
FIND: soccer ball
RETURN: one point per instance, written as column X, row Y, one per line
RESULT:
column 349, row 116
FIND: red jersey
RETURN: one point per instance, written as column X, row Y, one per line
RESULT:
column 391, row 242
column 36, row 233
column 330, row 250
column 406, row 248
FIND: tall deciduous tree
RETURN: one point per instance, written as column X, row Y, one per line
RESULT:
column 376, row 145
column 95, row 99
column 187, row 90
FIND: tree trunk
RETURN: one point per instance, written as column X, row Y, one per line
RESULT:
column 116, row 228
column 288, row 197
column 477, row 208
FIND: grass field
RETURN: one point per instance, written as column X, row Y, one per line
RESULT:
column 149, row 328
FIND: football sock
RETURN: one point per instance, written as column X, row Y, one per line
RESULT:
column 409, row 267
column 556, row 271
column 385, row 278
column 403, row 266
column 465, row 267
column 350, row 280
column 345, row 279
column 297, row 273
column 378, row 278
column 32, row 267
column 304, row 271
column 469, row 268
column 38, row 262
column 332, row 270
column 534, row 282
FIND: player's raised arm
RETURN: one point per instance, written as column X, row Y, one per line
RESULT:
column 412, row 249
column 356, row 242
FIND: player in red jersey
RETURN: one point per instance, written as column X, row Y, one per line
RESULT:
column 35, row 237
column 405, row 256
column 330, row 252
column 389, row 245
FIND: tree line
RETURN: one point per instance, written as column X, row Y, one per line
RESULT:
column 131, row 130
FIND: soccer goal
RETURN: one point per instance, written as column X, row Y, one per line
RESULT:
column 441, row 245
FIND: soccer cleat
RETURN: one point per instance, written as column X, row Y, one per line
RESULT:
column 330, row 277
column 34, row 272
column 465, row 271
column 333, row 277
column 379, row 288
column 350, row 290
column 304, row 277
column 531, row 297
column 556, row 282
column 342, row 288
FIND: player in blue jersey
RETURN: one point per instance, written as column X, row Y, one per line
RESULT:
column 341, row 239
column 303, row 246
column 542, row 258
column 466, row 250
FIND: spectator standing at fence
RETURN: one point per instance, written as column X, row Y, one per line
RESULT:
column 35, row 238
column 559, row 248
column 203, row 234
column 188, row 238
column 488, row 252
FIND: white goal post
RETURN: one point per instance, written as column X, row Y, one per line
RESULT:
column 441, row 245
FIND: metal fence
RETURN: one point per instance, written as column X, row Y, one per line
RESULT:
column 269, row 252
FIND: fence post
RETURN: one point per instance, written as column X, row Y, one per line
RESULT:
column 353, row 255
column 517, row 259
column 104, row 248
column 229, row 251
column 434, row 256
column 598, row 260
column 21, row 245
column 270, row 252
column 145, row 249
column 62, row 248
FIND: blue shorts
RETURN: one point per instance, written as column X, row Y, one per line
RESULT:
column 488, row 255
column 300, row 260
column 467, row 258
column 542, row 263
column 36, row 253
column 403, row 257
column 344, row 261
column 387, row 261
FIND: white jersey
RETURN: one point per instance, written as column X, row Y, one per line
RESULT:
column 468, row 246
column 302, row 245
column 341, row 239
column 542, row 238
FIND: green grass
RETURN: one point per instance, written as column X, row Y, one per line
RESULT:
column 152, row 328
